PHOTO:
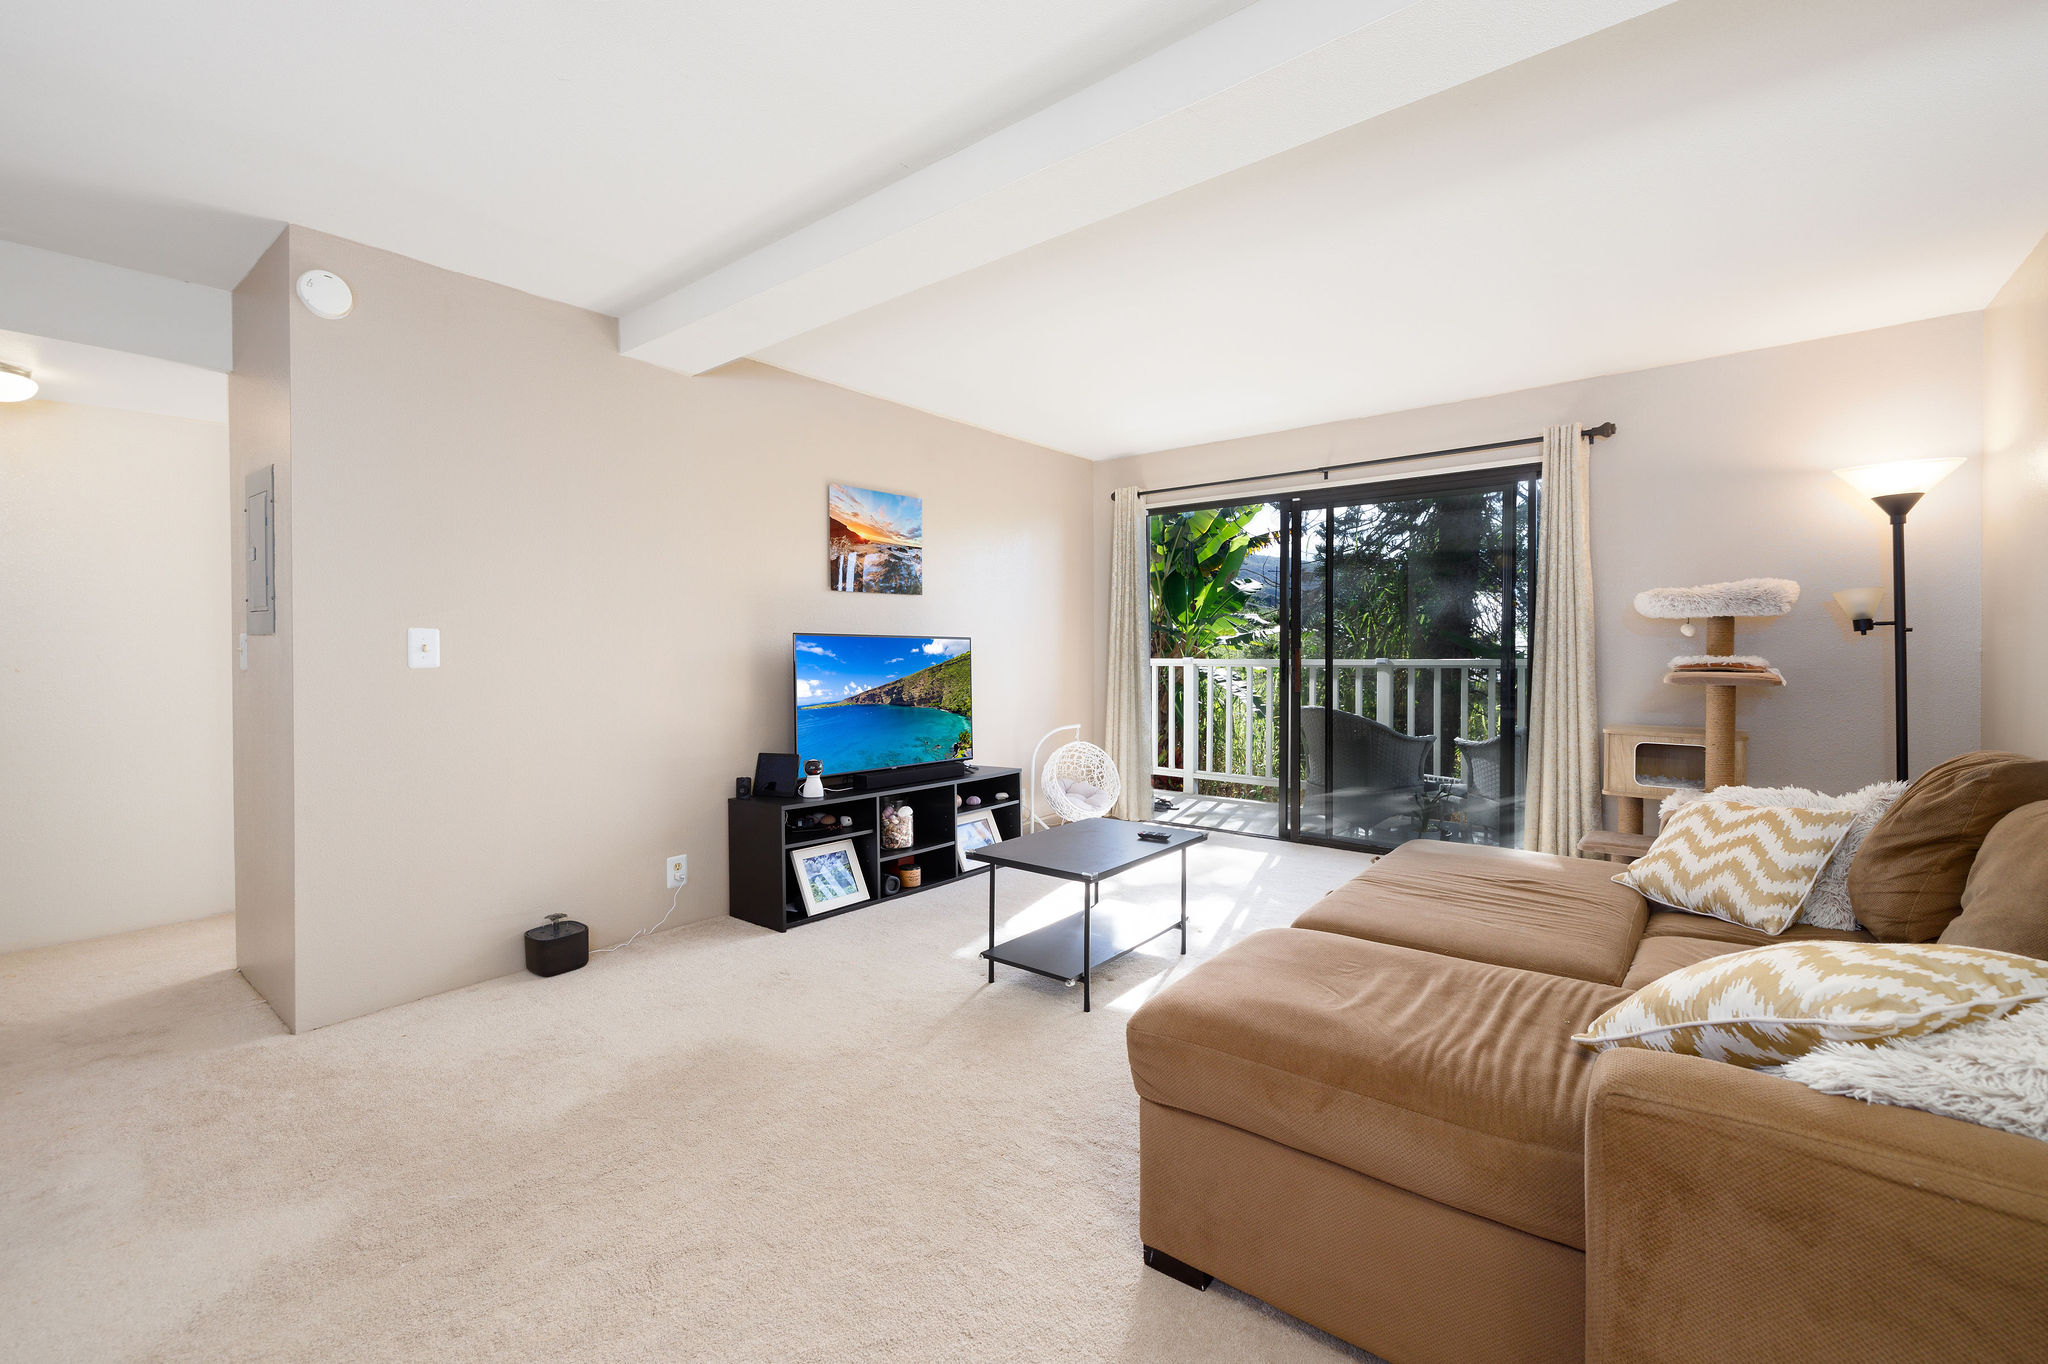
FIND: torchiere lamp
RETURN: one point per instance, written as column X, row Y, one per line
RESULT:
column 1896, row 488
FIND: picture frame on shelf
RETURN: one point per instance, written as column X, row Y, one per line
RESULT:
column 828, row 876
column 974, row 829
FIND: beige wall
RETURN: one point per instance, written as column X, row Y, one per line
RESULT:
column 259, row 434
column 114, row 778
column 2016, row 510
column 616, row 556
column 1721, row 469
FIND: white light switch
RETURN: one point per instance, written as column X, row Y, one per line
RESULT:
column 242, row 652
column 422, row 648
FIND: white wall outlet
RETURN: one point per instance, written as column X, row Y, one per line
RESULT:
column 678, row 871
column 422, row 648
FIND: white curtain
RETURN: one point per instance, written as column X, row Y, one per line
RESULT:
column 1127, row 731
column 1564, row 723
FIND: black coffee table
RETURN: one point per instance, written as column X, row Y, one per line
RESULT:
column 1090, row 851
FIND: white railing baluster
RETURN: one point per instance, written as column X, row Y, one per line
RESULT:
column 1229, row 719
column 1464, row 703
column 1272, row 708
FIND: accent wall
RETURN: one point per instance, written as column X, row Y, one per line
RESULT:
column 616, row 557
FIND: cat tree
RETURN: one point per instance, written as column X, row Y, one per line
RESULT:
column 1719, row 669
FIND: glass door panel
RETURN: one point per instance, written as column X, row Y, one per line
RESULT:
column 1407, row 638
column 1218, row 701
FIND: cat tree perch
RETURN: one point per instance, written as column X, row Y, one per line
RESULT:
column 1719, row 669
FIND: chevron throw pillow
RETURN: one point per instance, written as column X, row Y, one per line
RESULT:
column 1775, row 1004
column 1748, row 864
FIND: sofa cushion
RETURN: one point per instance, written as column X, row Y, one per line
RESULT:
column 1674, row 923
column 2005, row 901
column 1673, row 939
column 1453, row 1079
column 1907, row 880
column 1661, row 956
column 1563, row 916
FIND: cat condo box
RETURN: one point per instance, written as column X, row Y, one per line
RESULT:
column 1649, row 762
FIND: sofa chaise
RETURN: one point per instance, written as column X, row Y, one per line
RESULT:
column 1376, row 1120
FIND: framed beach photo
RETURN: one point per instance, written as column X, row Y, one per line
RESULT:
column 828, row 876
column 974, row 829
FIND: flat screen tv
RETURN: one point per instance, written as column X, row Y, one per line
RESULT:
column 869, row 703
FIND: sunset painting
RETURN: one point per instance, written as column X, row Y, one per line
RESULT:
column 877, row 541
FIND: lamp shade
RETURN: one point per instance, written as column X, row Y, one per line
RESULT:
column 1860, row 603
column 1900, row 476
column 15, row 385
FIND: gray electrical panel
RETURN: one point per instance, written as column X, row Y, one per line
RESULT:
column 259, row 551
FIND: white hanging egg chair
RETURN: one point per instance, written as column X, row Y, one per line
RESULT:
column 1079, row 781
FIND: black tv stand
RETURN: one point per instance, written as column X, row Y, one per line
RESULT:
column 762, row 883
column 921, row 775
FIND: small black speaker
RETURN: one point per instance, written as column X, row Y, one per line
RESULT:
column 743, row 787
column 561, row 944
column 775, row 774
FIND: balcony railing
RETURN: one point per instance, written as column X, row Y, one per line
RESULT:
column 1218, row 719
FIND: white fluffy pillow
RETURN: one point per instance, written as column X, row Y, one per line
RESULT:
column 1827, row 904
column 1994, row 1073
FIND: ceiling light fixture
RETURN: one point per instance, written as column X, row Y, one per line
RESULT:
column 15, row 384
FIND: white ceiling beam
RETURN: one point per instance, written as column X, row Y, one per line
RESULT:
column 1268, row 78
column 46, row 293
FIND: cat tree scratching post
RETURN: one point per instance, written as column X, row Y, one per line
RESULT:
column 1720, row 708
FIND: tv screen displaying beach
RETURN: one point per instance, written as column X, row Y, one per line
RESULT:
column 871, row 701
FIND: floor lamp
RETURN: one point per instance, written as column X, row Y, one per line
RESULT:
column 1895, row 488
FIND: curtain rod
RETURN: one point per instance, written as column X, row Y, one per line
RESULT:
column 1590, row 433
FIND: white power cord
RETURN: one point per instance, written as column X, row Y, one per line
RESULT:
column 673, row 902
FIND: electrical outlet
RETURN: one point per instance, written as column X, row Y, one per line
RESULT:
column 678, row 871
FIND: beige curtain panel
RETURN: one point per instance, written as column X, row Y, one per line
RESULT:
column 1564, row 724
column 1127, row 730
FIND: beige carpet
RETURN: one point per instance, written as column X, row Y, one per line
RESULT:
column 720, row 1144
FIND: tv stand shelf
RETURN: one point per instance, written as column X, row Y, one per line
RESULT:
column 759, row 840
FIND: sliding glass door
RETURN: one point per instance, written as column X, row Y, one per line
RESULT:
column 1405, row 633
column 1347, row 667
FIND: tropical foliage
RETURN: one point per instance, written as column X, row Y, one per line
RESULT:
column 1201, row 602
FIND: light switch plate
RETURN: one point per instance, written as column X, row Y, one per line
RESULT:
column 422, row 648
column 242, row 652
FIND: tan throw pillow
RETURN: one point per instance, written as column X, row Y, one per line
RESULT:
column 1749, row 864
column 1907, row 880
column 1772, row 1004
column 2005, row 901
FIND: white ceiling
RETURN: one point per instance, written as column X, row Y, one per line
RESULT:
column 594, row 153
column 1709, row 178
column 1712, row 176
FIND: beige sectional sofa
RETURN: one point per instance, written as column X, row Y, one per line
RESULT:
column 1377, row 1121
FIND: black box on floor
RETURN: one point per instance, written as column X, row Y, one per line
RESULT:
column 559, row 945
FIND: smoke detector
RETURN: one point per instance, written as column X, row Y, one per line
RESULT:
column 326, row 294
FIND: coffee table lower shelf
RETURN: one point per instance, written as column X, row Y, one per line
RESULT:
column 1055, row 950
